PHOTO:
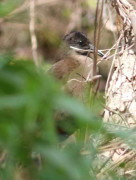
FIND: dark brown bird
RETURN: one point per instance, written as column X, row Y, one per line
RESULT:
column 76, row 67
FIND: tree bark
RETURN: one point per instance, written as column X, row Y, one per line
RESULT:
column 121, row 93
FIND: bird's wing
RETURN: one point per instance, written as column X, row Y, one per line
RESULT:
column 64, row 67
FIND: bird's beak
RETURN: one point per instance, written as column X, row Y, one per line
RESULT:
column 98, row 52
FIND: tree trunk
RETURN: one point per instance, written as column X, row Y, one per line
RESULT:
column 121, row 93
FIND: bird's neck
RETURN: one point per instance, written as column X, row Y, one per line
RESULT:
column 82, row 58
column 85, row 53
column 84, row 70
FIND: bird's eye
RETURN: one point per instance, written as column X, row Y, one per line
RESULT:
column 80, row 42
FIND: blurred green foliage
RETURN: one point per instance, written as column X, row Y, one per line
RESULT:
column 28, row 99
column 7, row 6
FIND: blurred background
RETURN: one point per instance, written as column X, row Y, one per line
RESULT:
column 53, row 19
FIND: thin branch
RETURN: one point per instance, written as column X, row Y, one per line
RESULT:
column 109, row 76
column 32, row 32
column 95, row 39
column 25, row 5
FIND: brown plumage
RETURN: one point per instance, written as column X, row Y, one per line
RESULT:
column 76, row 68
column 64, row 67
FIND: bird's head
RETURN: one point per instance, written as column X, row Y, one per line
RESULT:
column 79, row 42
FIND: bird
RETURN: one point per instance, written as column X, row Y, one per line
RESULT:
column 75, row 69
column 76, row 66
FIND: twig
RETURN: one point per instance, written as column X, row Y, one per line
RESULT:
column 96, row 37
column 87, row 80
column 109, row 76
column 119, row 53
column 25, row 5
column 32, row 32
column 121, row 159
